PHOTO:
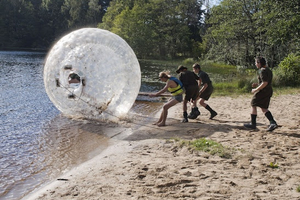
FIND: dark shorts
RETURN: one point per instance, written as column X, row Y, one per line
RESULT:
column 262, row 99
column 207, row 92
column 191, row 92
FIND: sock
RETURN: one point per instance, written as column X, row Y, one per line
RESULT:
column 207, row 107
column 253, row 119
column 185, row 114
column 270, row 117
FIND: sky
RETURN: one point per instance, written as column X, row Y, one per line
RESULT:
column 214, row 2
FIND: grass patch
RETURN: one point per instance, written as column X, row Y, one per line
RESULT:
column 165, row 63
column 219, row 68
column 286, row 90
column 273, row 165
column 298, row 188
column 228, row 80
column 209, row 146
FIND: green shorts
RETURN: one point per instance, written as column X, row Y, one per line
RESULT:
column 207, row 92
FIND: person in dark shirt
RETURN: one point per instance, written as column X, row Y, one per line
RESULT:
column 190, row 84
column 206, row 89
column 262, row 94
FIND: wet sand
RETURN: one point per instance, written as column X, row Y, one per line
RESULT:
column 143, row 162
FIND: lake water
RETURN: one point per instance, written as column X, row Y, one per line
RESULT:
column 37, row 142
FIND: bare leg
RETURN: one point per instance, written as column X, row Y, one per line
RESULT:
column 264, row 110
column 160, row 118
column 164, row 113
column 184, row 105
column 254, row 110
column 201, row 102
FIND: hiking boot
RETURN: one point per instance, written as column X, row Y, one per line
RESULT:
column 197, row 112
column 191, row 114
column 213, row 114
column 250, row 126
column 194, row 113
column 272, row 127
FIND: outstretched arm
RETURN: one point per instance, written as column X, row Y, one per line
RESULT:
column 161, row 91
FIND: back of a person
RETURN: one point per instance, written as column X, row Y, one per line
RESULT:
column 266, row 75
column 204, row 78
column 188, row 78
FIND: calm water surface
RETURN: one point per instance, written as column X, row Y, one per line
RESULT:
column 37, row 142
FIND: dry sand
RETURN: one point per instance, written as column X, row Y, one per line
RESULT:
column 142, row 164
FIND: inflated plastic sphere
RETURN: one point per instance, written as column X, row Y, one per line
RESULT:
column 92, row 73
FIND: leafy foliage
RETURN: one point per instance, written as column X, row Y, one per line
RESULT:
column 241, row 30
column 156, row 28
column 233, row 32
column 37, row 24
column 288, row 72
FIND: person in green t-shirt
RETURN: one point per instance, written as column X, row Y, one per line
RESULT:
column 262, row 94
column 206, row 89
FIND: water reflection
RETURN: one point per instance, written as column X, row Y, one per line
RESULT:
column 60, row 145
column 37, row 143
column 150, row 71
column 64, row 143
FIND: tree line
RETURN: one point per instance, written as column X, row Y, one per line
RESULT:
column 39, row 23
column 242, row 29
column 234, row 32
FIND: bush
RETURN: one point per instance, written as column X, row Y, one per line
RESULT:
column 288, row 72
column 245, row 84
column 189, row 62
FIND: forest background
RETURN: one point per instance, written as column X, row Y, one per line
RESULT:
column 232, row 32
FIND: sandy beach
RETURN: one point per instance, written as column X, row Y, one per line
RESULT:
column 145, row 162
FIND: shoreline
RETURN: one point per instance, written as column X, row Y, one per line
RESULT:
column 145, row 163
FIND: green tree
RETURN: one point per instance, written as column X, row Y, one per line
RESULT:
column 232, row 36
column 288, row 71
column 83, row 13
column 38, row 24
column 159, row 28
column 18, row 23
column 54, row 21
column 241, row 30
column 281, row 25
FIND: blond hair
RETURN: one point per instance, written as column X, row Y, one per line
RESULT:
column 164, row 74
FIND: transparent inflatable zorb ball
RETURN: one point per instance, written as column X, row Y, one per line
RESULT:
column 92, row 73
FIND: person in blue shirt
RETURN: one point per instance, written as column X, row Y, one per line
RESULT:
column 206, row 89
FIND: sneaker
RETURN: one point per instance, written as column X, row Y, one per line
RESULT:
column 213, row 114
column 272, row 127
column 250, row 126
column 185, row 120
